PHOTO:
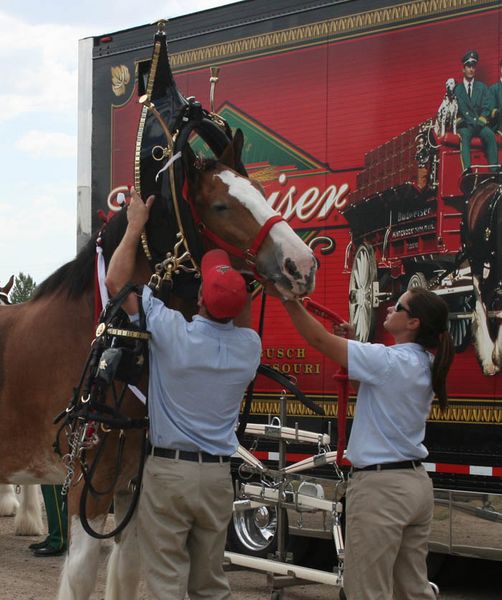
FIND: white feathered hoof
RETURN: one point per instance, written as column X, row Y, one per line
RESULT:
column 8, row 501
column 28, row 519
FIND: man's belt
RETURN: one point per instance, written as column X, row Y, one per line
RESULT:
column 191, row 456
column 404, row 464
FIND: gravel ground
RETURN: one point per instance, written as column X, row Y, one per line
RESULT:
column 24, row 577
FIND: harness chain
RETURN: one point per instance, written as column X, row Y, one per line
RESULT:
column 108, row 360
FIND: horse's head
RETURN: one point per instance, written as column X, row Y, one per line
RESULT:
column 5, row 290
column 234, row 214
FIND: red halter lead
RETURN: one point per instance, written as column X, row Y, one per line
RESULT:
column 249, row 255
column 340, row 377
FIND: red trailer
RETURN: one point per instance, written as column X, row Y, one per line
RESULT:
column 335, row 100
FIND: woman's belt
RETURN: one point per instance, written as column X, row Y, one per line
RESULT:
column 404, row 464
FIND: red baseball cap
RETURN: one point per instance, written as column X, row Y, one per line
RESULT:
column 223, row 288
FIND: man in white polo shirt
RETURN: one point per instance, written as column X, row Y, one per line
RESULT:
column 199, row 371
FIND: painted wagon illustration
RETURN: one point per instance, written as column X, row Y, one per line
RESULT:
column 417, row 220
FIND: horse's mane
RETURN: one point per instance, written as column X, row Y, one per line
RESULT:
column 77, row 276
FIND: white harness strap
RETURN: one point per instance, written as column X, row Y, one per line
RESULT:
column 103, row 292
column 168, row 164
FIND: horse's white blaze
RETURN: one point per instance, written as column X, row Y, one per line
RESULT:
column 242, row 189
column 81, row 565
column 290, row 250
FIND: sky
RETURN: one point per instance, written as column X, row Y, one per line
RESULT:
column 38, row 119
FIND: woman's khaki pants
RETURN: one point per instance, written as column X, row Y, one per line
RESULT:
column 389, row 514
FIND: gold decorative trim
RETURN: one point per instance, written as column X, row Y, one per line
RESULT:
column 339, row 27
column 153, row 69
column 137, row 152
column 140, row 335
column 144, row 112
column 468, row 415
column 478, row 415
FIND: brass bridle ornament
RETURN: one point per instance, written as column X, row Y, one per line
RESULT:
column 215, row 131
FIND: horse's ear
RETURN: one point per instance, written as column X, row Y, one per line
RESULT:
column 231, row 156
column 9, row 284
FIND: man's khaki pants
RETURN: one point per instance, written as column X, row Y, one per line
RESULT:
column 389, row 513
column 183, row 515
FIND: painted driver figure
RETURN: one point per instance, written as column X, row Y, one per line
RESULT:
column 473, row 114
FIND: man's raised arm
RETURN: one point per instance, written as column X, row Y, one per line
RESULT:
column 123, row 261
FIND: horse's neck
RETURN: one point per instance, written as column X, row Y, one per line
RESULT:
column 479, row 204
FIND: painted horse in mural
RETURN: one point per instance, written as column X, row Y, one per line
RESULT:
column 25, row 505
column 50, row 336
column 482, row 243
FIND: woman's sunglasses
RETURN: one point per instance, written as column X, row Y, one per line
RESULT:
column 398, row 307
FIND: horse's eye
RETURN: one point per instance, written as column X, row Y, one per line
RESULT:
column 220, row 207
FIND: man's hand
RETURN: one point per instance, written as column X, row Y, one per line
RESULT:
column 123, row 261
column 138, row 212
column 270, row 289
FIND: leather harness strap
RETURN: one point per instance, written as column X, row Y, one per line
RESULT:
column 249, row 255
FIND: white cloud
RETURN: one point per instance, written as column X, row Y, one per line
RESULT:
column 38, row 230
column 38, row 114
column 47, row 144
column 39, row 68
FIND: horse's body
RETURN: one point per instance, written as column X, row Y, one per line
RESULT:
column 482, row 235
column 44, row 344
column 27, row 508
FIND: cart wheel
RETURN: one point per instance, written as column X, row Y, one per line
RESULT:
column 459, row 328
column 362, row 277
column 417, row 280
column 254, row 532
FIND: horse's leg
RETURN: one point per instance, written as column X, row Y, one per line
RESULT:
column 8, row 501
column 497, row 353
column 482, row 340
column 28, row 519
column 124, row 564
column 78, row 577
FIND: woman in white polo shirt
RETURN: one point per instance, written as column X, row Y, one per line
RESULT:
column 389, row 495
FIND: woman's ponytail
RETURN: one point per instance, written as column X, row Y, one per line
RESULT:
column 433, row 334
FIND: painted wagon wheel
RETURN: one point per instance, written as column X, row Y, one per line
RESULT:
column 460, row 329
column 418, row 279
column 361, row 308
